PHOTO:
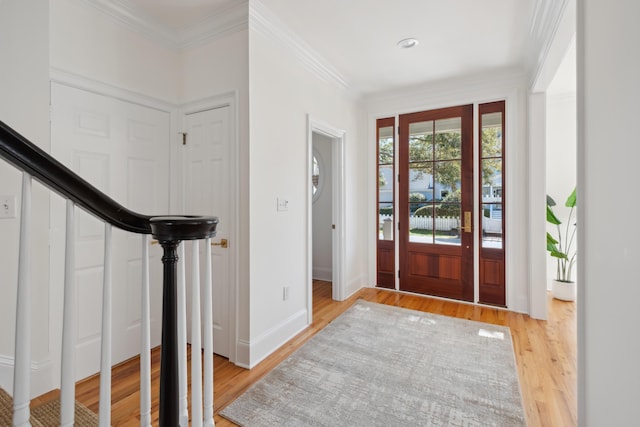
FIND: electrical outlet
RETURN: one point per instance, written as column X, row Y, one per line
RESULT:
column 7, row 206
column 285, row 293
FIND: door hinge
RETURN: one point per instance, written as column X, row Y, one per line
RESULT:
column 398, row 274
column 398, row 226
column 184, row 138
column 398, row 177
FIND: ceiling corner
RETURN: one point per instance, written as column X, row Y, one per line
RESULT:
column 223, row 22
column 264, row 22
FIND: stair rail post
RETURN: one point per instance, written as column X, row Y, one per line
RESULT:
column 22, row 367
column 169, row 392
column 145, row 345
column 170, row 231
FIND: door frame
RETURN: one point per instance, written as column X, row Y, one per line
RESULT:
column 337, row 167
column 229, row 99
column 440, row 285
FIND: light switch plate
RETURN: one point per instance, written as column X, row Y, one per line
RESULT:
column 7, row 206
column 283, row 204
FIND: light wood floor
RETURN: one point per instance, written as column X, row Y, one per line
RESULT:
column 545, row 354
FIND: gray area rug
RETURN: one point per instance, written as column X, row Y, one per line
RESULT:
column 378, row 365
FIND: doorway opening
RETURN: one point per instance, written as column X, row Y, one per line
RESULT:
column 325, row 148
column 322, row 212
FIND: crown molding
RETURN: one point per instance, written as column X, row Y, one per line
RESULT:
column 224, row 22
column 264, row 22
column 547, row 15
column 484, row 87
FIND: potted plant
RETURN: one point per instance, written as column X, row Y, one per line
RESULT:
column 563, row 248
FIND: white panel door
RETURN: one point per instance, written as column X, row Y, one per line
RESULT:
column 207, row 193
column 123, row 149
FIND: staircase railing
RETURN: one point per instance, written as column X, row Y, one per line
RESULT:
column 170, row 231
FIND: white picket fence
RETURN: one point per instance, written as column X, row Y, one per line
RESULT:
column 489, row 225
column 426, row 222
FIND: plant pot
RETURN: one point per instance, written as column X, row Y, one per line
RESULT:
column 565, row 291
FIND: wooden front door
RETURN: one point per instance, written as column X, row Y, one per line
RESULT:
column 436, row 202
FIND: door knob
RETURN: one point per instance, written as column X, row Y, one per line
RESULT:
column 223, row 242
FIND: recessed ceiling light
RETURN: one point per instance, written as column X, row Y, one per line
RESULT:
column 408, row 43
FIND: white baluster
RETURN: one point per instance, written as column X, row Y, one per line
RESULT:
column 182, row 338
column 22, row 369
column 145, row 345
column 67, row 387
column 104, row 411
column 208, row 338
column 196, row 347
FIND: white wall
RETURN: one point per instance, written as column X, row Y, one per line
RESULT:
column 322, row 219
column 556, row 75
column 215, row 68
column 507, row 84
column 220, row 67
column 86, row 42
column 608, row 150
column 24, row 105
column 561, row 130
column 283, row 92
column 561, row 160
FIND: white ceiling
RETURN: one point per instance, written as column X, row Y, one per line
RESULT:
column 358, row 37
column 457, row 37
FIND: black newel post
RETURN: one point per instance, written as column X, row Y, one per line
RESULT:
column 169, row 395
column 170, row 231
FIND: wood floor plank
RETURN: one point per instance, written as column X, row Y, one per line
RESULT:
column 545, row 353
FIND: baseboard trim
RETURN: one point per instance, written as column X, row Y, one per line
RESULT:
column 274, row 338
column 323, row 273
column 353, row 286
column 243, row 353
column 41, row 376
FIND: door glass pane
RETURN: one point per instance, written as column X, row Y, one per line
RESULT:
column 385, row 182
column 385, row 216
column 385, row 146
column 492, row 225
column 492, row 135
column 448, row 139
column 420, row 141
column 385, row 199
column 491, row 180
column 421, row 223
column 447, row 223
column 447, row 177
column 420, row 202
column 491, row 174
column 420, row 182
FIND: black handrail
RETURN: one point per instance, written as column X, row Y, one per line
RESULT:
column 169, row 230
column 26, row 156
